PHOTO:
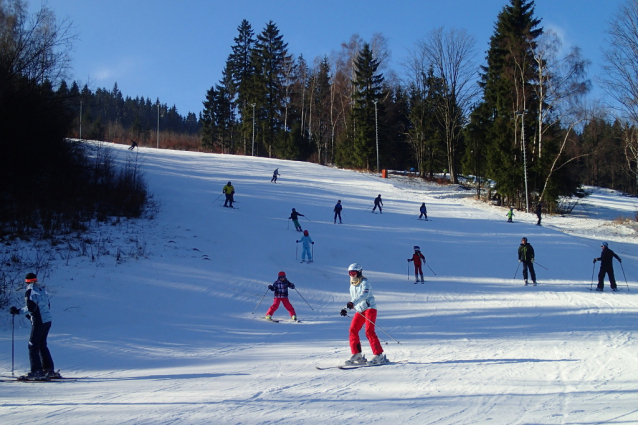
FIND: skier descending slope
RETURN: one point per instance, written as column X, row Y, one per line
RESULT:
column 365, row 306
column 606, row 267
column 418, row 268
column 306, row 241
column 38, row 310
column 294, row 216
column 526, row 256
column 280, row 288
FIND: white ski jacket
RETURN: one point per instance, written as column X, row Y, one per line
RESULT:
column 361, row 295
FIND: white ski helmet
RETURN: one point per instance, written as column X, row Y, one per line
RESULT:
column 355, row 266
column 417, row 248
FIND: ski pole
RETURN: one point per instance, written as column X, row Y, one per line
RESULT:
column 430, row 268
column 541, row 265
column 307, row 218
column 592, row 276
column 517, row 267
column 217, row 198
column 13, row 321
column 288, row 228
column 305, row 300
column 363, row 315
column 313, row 252
column 262, row 298
column 296, row 249
column 625, row 276
column 408, row 270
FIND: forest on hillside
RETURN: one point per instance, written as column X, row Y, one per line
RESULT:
column 518, row 117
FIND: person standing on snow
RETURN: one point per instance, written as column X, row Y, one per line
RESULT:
column 526, row 256
column 424, row 211
column 274, row 176
column 337, row 211
column 38, row 309
column 606, row 266
column 378, row 203
column 539, row 211
column 418, row 269
column 229, row 191
column 365, row 306
column 510, row 214
column 280, row 288
column 294, row 215
column 306, row 241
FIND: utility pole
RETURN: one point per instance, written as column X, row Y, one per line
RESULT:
column 376, row 129
column 253, row 105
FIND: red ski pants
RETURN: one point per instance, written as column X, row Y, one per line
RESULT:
column 355, row 326
column 275, row 306
column 418, row 269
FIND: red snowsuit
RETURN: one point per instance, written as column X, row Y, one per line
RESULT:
column 417, row 263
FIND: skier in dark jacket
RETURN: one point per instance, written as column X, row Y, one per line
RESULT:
column 378, row 203
column 424, row 211
column 294, row 216
column 539, row 211
column 38, row 310
column 337, row 211
column 526, row 256
column 274, row 176
column 606, row 266
column 280, row 288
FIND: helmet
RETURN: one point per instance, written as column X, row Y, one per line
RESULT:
column 339, row 201
column 605, row 244
column 379, row 195
column 524, row 239
column 228, row 183
column 293, row 209
column 355, row 266
column 417, row 248
column 305, row 233
column 30, row 277
column 281, row 274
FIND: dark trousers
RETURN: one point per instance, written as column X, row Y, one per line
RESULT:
column 530, row 265
column 538, row 223
column 377, row 206
column 338, row 214
column 229, row 199
column 610, row 274
column 39, row 355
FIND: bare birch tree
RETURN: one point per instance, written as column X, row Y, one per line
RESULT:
column 451, row 55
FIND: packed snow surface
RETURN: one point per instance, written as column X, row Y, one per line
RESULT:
column 161, row 317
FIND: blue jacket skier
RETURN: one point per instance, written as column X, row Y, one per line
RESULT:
column 378, row 203
column 424, row 211
column 606, row 267
column 306, row 241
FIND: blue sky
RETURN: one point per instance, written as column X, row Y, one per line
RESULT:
column 176, row 50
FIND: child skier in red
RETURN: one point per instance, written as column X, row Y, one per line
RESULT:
column 418, row 269
column 280, row 288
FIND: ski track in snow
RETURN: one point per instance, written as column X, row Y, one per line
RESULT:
column 167, row 334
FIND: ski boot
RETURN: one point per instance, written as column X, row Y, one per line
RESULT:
column 379, row 359
column 268, row 317
column 357, row 359
column 37, row 375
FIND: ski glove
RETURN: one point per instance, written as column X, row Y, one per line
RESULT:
column 313, row 243
column 409, row 260
column 292, row 286
column 619, row 260
column 14, row 310
column 594, row 260
column 344, row 312
column 350, row 306
column 272, row 288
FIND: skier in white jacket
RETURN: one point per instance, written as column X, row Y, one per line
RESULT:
column 365, row 306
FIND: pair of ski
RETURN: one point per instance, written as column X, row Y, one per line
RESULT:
column 304, row 261
column 352, row 366
column 7, row 378
column 277, row 320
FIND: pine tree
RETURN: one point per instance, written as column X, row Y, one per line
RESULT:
column 368, row 91
column 269, row 58
column 242, row 72
column 505, row 80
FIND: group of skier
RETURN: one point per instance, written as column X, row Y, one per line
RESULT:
column 538, row 211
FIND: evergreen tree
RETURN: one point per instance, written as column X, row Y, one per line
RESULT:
column 269, row 58
column 506, row 83
column 241, row 68
column 368, row 91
